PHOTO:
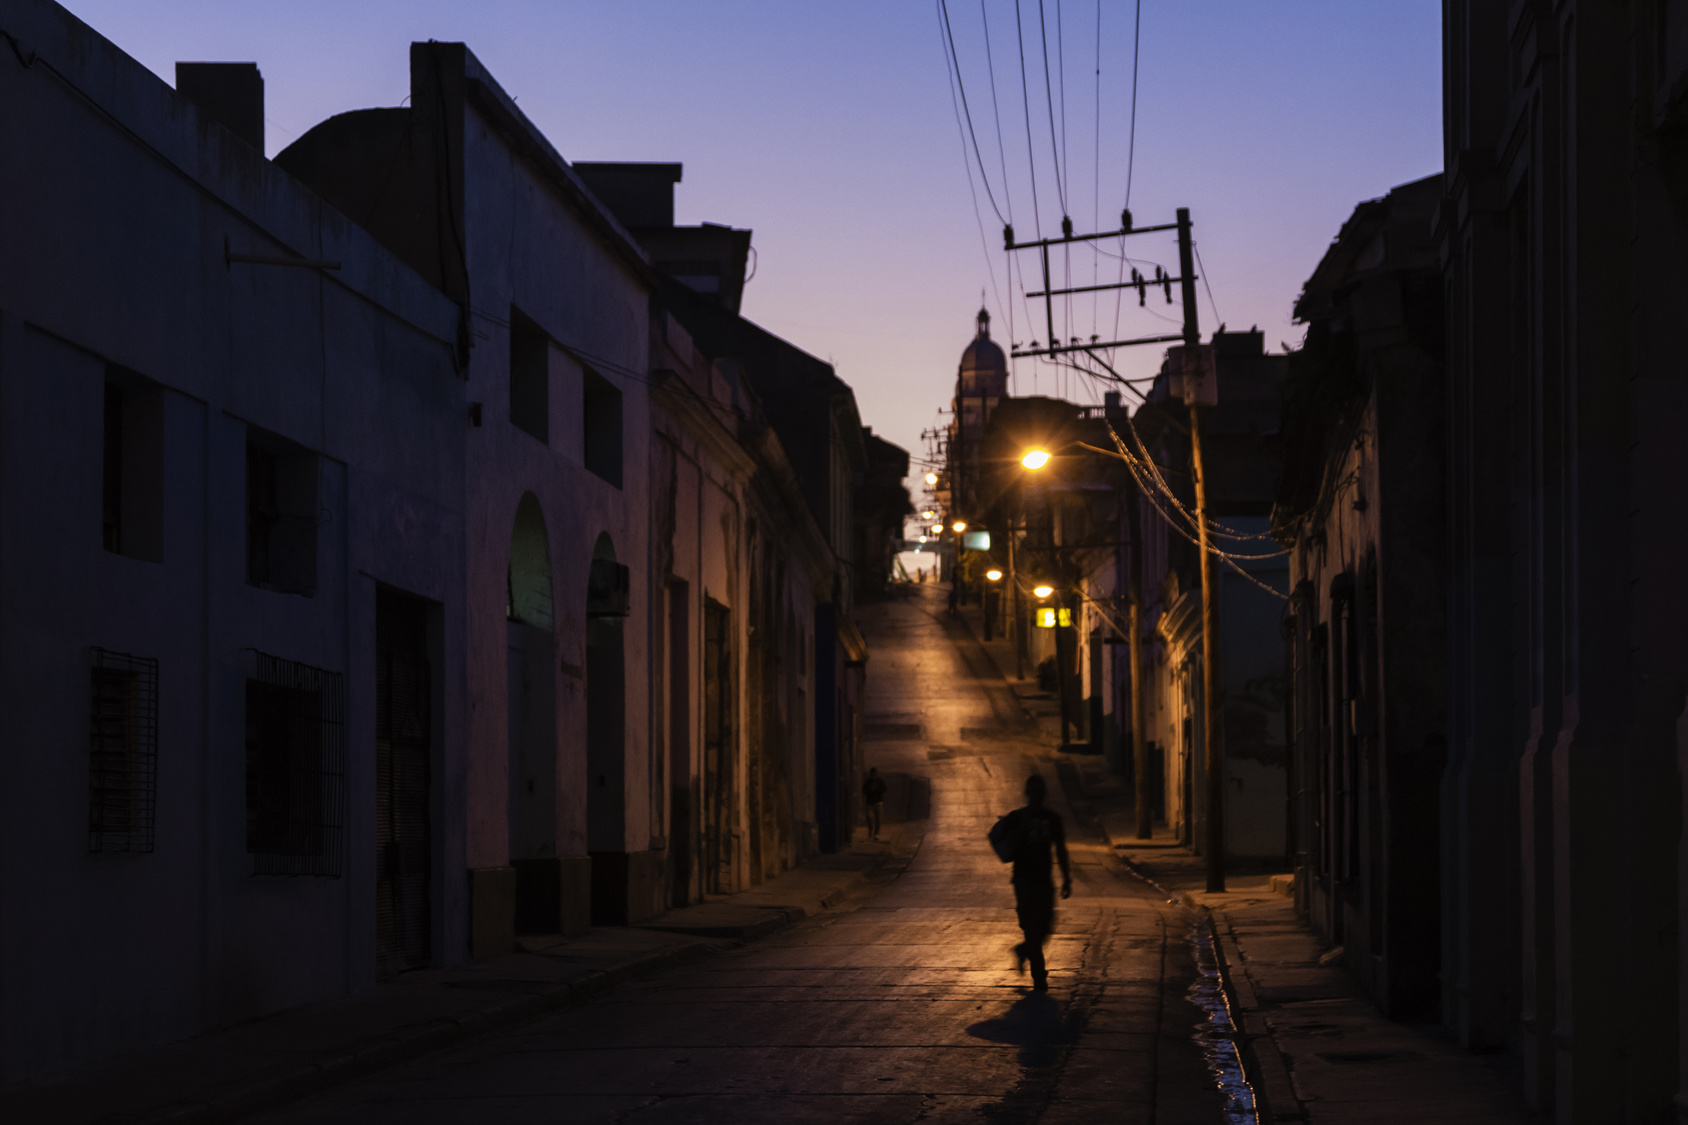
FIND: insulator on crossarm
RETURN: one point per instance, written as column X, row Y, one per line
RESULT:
column 1066, row 227
column 1125, row 219
column 1007, row 235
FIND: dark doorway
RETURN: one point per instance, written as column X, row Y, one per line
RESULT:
column 606, row 736
column 718, row 747
column 531, row 701
column 680, row 828
column 403, row 750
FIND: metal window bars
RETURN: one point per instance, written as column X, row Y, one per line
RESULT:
column 122, row 752
column 295, row 768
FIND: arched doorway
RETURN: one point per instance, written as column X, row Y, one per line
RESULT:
column 606, row 733
column 532, row 699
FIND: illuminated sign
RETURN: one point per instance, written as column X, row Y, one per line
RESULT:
column 1046, row 617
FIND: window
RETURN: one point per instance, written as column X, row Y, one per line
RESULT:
column 295, row 768
column 132, row 473
column 530, row 376
column 603, row 427
column 122, row 752
column 281, row 514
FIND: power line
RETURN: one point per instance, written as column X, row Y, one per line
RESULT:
column 1002, row 158
column 1096, row 178
column 1026, row 102
column 1205, row 285
column 1049, row 100
column 1131, row 146
column 955, row 81
column 954, row 62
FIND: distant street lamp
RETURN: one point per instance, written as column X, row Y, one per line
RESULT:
column 1043, row 591
column 960, row 526
column 928, row 515
column 931, row 478
column 994, row 575
column 937, row 529
column 1035, row 458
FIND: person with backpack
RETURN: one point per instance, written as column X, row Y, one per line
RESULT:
column 1029, row 838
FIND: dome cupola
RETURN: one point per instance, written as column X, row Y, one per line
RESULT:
column 984, row 369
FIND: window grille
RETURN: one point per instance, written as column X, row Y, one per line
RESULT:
column 122, row 752
column 295, row 768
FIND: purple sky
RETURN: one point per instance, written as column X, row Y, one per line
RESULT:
column 829, row 130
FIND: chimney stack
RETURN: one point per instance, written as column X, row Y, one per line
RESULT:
column 231, row 94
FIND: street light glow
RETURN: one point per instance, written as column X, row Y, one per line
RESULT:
column 931, row 478
column 928, row 515
column 960, row 526
column 937, row 529
column 994, row 575
column 1035, row 458
column 1043, row 591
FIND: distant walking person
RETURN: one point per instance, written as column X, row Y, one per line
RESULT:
column 873, row 792
column 1026, row 837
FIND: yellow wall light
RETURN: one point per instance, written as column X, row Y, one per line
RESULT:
column 1043, row 591
column 1035, row 458
column 994, row 575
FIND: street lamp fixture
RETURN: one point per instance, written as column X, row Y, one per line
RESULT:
column 959, row 526
column 937, row 529
column 1035, row 458
column 931, row 478
column 928, row 515
column 1043, row 591
column 994, row 575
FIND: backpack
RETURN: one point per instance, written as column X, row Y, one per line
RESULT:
column 1006, row 835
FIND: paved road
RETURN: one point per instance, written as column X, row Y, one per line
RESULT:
column 905, row 1006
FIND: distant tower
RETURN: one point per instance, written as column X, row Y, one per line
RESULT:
column 981, row 382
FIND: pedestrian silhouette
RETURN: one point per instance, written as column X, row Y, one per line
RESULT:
column 873, row 793
column 1030, row 838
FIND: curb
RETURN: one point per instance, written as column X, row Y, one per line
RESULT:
column 407, row 1044
column 1274, row 1094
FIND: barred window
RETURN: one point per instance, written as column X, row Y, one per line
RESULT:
column 122, row 752
column 295, row 768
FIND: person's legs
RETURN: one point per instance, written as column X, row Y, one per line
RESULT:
column 1035, row 906
column 875, row 812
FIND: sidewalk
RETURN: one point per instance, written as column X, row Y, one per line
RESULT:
column 267, row 1062
column 1315, row 1048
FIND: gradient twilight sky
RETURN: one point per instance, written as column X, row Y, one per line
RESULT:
column 831, row 131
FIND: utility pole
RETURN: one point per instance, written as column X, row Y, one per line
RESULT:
column 1199, row 387
column 1134, row 645
column 1197, row 393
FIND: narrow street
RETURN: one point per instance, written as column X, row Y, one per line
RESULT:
column 901, row 1005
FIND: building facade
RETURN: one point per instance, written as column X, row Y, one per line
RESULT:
column 395, row 559
column 1362, row 509
column 1562, row 240
column 232, row 621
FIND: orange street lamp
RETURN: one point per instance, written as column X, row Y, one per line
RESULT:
column 931, row 478
column 994, row 575
column 1043, row 591
column 959, row 526
column 1035, row 458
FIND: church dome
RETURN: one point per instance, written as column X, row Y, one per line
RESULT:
column 984, row 369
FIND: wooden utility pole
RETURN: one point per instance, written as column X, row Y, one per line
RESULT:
column 1199, row 392
column 1213, row 723
column 1134, row 646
